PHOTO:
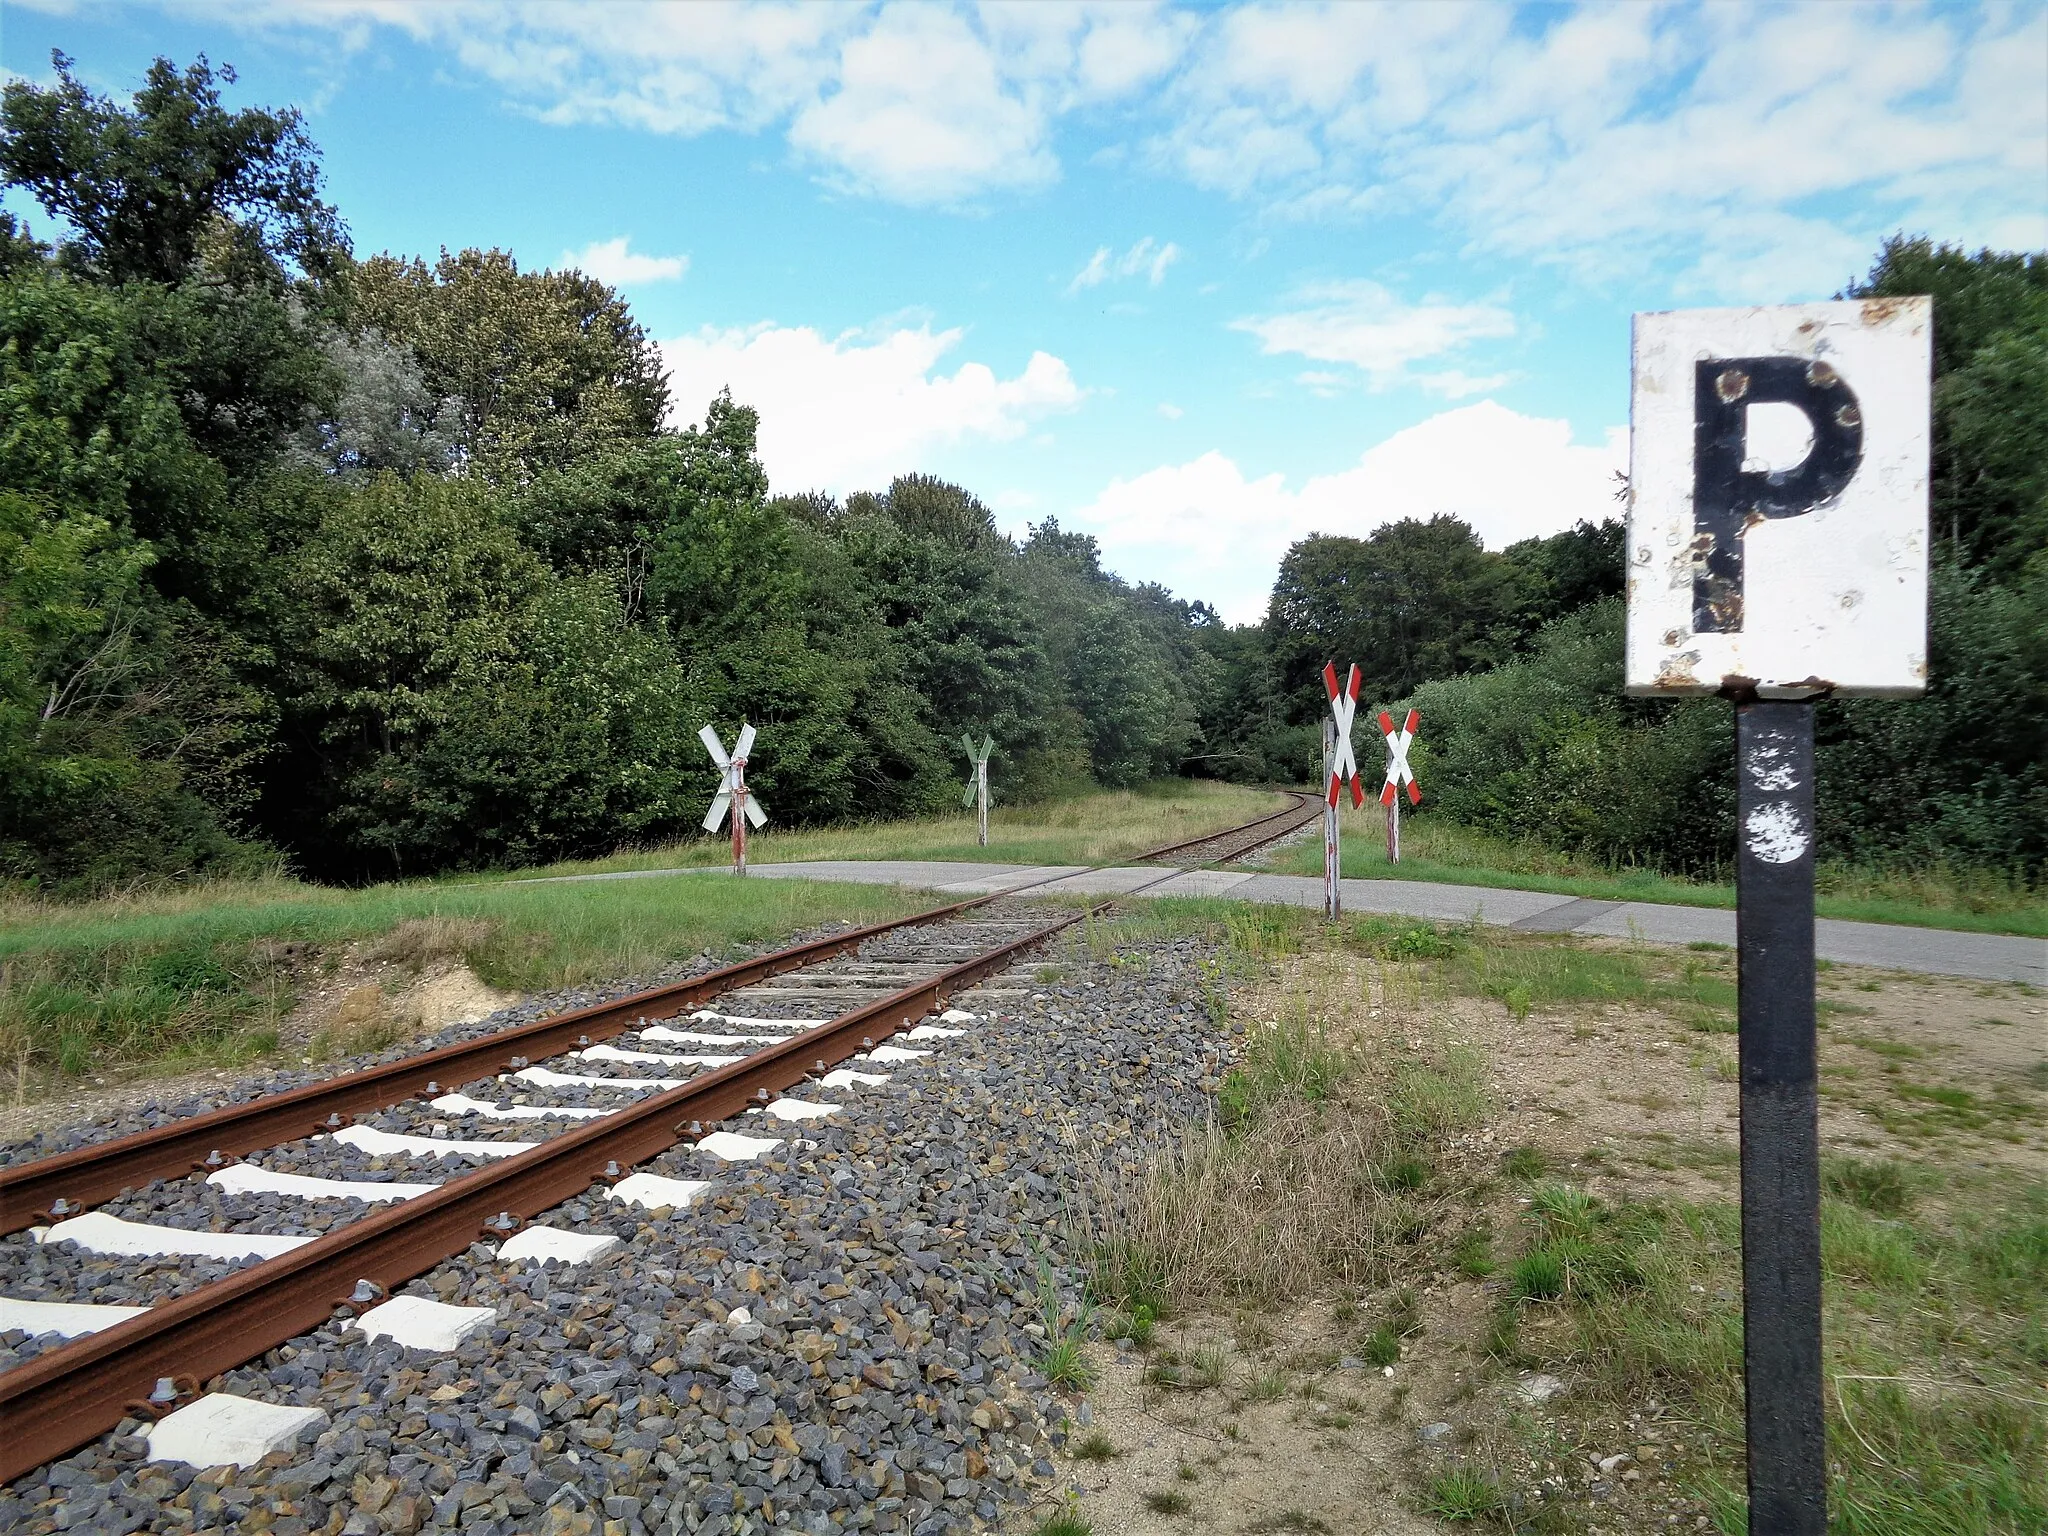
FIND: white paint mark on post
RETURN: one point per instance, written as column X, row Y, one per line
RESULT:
column 1777, row 534
column 1775, row 833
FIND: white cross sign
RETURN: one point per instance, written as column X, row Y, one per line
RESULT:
column 1343, row 705
column 1398, row 771
column 732, row 778
column 1777, row 526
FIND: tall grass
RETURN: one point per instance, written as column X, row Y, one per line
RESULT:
column 175, row 977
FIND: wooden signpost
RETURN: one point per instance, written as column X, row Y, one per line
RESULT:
column 732, row 793
column 1398, row 773
column 1777, row 554
column 1338, row 765
column 977, row 783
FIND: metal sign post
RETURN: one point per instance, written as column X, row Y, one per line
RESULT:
column 732, row 792
column 1338, row 765
column 1398, row 773
column 977, row 786
column 1777, row 554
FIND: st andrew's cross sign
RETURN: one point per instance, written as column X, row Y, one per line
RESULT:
column 733, row 797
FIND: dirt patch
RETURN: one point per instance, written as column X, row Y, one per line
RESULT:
column 1308, row 1429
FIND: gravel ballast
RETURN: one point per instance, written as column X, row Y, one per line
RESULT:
column 842, row 1335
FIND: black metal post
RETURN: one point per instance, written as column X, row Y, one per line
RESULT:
column 1781, row 1319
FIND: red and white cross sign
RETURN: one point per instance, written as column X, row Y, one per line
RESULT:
column 1398, row 771
column 1343, row 705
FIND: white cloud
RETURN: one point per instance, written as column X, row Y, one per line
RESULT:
column 1170, row 411
column 1756, row 151
column 1210, row 532
column 917, row 103
column 609, row 261
column 851, row 412
column 1362, row 324
column 1143, row 259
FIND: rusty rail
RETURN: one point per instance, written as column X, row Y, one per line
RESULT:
column 58, row 1401
column 91, row 1174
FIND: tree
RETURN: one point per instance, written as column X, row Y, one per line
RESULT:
column 1413, row 601
column 550, row 367
column 150, row 191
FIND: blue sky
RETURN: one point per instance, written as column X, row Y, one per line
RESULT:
column 1199, row 280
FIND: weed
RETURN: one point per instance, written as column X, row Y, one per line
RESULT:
column 1290, row 1058
column 1406, row 1172
column 1267, row 1387
column 1382, row 1347
column 1095, row 1446
column 1065, row 1523
column 1186, row 1473
column 1708, row 945
column 1064, row 1361
column 1878, row 1184
column 1538, row 1275
column 1474, row 1253
column 1167, row 1501
column 1138, row 1325
column 1524, row 1162
column 1462, row 1493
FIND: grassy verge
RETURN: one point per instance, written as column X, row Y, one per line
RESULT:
column 203, row 975
column 1098, row 828
column 1467, row 1211
column 1444, row 853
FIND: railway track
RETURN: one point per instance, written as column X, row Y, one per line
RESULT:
column 383, row 1174
column 1236, row 842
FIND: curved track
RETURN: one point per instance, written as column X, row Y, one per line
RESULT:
column 585, row 1112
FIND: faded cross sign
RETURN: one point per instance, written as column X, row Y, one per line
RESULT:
column 732, row 793
column 1777, row 535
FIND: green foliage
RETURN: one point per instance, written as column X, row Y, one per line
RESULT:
column 1462, row 1494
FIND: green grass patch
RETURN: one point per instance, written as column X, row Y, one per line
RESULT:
column 1442, row 852
column 202, row 975
column 1937, row 1332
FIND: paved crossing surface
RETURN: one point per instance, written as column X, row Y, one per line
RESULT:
column 1935, row 951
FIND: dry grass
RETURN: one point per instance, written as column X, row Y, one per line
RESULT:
column 1316, row 1176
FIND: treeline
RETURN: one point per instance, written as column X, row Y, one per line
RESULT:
column 1515, row 658
column 393, row 566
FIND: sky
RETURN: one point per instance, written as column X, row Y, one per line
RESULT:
column 1198, row 280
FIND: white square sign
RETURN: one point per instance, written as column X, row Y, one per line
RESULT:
column 1777, row 527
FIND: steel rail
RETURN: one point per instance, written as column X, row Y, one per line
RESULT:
column 1302, row 803
column 60, row 1400
column 87, row 1175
